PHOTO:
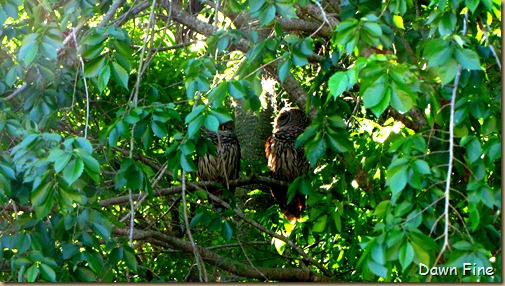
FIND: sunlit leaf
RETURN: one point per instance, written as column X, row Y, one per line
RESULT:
column 406, row 255
column 73, row 170
column 338, row 83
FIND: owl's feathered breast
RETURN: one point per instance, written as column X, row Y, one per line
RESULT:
column 226, row 163
column 284, row 160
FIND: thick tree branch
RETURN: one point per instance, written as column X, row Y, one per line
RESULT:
column 225, row 263
column 317, row 13
column 194, row 186
column 290, row 84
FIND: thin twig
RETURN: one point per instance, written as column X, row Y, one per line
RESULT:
column 484, row 32
column 199, row 262
column 86, row 126
column 289, row 242
column 16, row 92
column 451, row 156
column 249, row 260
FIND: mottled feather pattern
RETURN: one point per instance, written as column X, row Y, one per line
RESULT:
column 285, row 161
column 225, row 166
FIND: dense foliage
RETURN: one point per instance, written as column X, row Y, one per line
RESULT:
column 101, row 104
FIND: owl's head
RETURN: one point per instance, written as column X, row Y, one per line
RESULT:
column 291, row 117
column 227, row 127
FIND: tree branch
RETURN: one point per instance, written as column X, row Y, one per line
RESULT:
column 225, row 263
column 294, row 89
column 194, row 186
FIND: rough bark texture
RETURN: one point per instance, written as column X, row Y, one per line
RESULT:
column 253, row 130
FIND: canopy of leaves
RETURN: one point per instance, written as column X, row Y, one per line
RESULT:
column 101, row 105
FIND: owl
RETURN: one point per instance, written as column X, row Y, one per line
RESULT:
column 287, row 162
column 225, row 165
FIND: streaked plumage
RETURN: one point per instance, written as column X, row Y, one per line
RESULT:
column 225, row 166
column 286, row 162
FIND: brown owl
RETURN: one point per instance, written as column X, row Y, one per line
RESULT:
column 225, row 166
column 285, row 161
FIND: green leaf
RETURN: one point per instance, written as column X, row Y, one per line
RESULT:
column 383, row 104
column 11, row 76
column 116, row 255
column 120, row 74
column 194, row 126
column 202, row 83
column 336, row 219
column 25, row 143
column 267, row 14
column 94, row 263
column 42, row 210
column 338, row 83
column 285, row 10
column 102, row 230
column 255, row 6
column 103, row 78
column 299, row 59
column 60, row 159
column 93, row 39
column 29, row 48
column 158, row 129
column 32, row 273
column 307, row 46
column 284, row 69
column 236, row 89
column 222, row 43
column 421, row 167
column 345, row 32
column 401, row 100
column 397, row 179
column 84, row 144
column 376, row 268
column 211, row 123
column 221, row 116
column 438, row 52
column 92, row 52
column 129, row 258
column 47, row 273
column 40, row 194
column 381, row 208
column 280, row 245
column 398, row 21
column 421, row 255
column 194, row 113
column 73, row 170
column 226, row 231
column 462, row 245
column 69, row 197
column 447, row 72
column 320, row 223
column 472, row 5
column 187, row 164
column 337, row 143
column 468, row 59
column 474, row 215
column 85, row 274
column 402, row 208
column 94, row 68
column 406, row 255
column 372, row 96
column 473, row 150
column 373, row 29
column 314, row 150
